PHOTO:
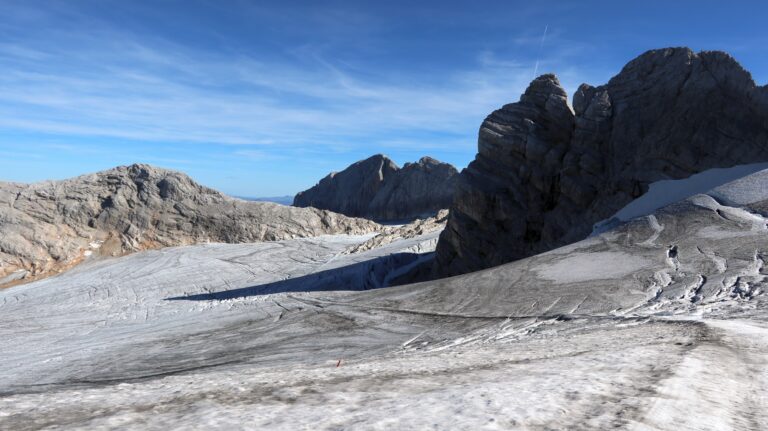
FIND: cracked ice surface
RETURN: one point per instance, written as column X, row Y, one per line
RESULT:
column 655, row 324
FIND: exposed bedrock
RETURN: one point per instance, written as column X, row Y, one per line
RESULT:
column 544, row 174
column 376, row 188
column 48, row 227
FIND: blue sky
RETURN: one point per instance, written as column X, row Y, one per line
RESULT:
column 265, row 98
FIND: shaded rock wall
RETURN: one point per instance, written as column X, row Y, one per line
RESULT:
column 545, row 174
column 376, row 188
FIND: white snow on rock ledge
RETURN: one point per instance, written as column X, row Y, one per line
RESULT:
column 735, row 186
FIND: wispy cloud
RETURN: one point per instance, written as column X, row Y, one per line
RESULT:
column 97, row 92
column 121, row 86
column 257, row 155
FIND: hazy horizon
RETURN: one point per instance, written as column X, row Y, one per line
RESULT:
column 265, row 99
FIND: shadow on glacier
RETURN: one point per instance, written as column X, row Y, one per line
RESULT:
column 384, row 271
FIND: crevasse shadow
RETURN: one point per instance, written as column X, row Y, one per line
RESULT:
column 370, row 274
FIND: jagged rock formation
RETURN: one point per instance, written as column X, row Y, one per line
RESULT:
column 376, row 188
column 51, row 226
column 352, row 190
column 544, row 174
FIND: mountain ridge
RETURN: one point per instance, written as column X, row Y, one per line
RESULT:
column 377, row 188
column 51, row 226
column 544, row 174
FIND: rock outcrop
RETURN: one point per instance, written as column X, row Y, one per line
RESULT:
column 376, row 188
column 390, row 234
column 544, row 173
column 48, row 227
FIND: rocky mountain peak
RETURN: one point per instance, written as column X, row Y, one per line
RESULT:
column 376, row 188
column 51, row 226
column 544, row 174
column 542, row 89
column 426, row 160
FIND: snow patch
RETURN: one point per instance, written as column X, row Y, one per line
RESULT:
column 737, row 185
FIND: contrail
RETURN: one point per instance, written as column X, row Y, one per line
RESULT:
column 544, row 36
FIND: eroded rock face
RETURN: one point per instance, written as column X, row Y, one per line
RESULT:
column 48, row 227
column 545, row 174
column 390, row 234
column 376, row 188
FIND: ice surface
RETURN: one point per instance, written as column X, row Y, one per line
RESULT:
column 735, row 186
column 585, row 267
column 743, row 191
column 659, row 323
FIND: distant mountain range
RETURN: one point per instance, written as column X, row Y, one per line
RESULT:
column 377, row 189
column 282, row 200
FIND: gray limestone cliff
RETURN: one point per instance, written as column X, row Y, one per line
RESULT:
column 376, row 188
column 544, row 174
column 48, row 227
